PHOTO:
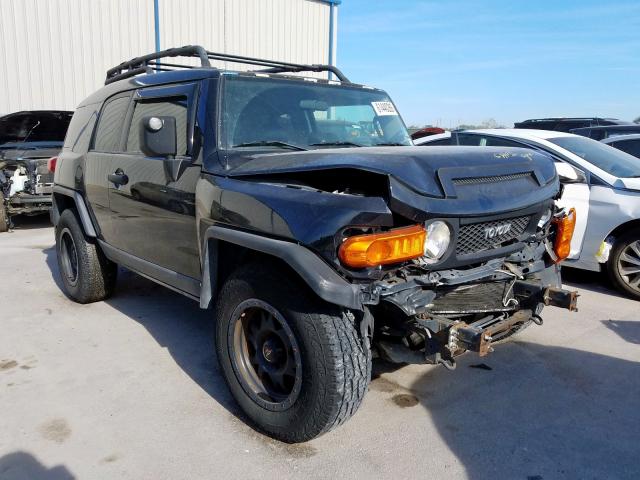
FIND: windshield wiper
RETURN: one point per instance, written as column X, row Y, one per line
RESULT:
column 390, row 144
column 269, row 143
column 335, row 144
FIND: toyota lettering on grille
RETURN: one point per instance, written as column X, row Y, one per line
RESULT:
column 497, row 231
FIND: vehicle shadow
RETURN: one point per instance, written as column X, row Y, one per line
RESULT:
column 590, row 281
column 175, row 322
column 22, row 465
column 25, row 222
column 538, row 412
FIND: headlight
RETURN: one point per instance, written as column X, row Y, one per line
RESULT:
column 437, row 241
column 544, row 219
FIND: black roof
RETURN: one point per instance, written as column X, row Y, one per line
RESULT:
column 606, row 128
column 596, row 120
column 565, row 119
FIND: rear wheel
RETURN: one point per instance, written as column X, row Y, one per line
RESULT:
column 87, row 275
column 623, row 266
column 296, row 365
column 4, row 217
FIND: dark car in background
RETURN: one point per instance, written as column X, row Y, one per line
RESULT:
column 627, row 143
column 561, row 124
column 28, row 139
column 607, row 131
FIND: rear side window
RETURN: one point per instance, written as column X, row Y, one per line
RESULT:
column 469, row 140
column 174, row 107
column 80, row 129
column 110, row 125
column 501, row 142
column 632, row 147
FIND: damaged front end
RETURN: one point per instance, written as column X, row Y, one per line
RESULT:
column 450, row 249
column 424, row 316
column 26, row 183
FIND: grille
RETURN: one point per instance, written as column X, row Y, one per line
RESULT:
column 481, row 297
column 499, row 178
column 472, row 238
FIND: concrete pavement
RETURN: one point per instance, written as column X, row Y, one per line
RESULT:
column 129, row 388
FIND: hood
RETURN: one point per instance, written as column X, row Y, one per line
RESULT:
column 425, row 170
column 480, row 180
column 21, row 154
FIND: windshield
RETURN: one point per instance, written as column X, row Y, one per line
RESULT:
column 609, row 159
column 294, row 115
column 34, row 127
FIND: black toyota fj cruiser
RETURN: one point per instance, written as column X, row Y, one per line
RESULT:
column 298, row 209
column 28, row 139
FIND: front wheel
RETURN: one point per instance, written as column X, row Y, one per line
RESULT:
column 623, row 266
column 296, row 365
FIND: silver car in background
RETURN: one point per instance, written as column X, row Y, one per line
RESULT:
column 604, row 189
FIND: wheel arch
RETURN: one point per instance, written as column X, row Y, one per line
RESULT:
column 626, row 227
column 66, row 198
column 224, row 248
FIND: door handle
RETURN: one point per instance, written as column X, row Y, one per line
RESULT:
column 118, row 177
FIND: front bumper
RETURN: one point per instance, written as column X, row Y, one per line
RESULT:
column 477, row 336
column 459, row 311
column 28, row 203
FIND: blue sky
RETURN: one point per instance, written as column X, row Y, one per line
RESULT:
column 458, row 62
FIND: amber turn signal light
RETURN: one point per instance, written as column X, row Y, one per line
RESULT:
column 564, row 233
column 375, row 249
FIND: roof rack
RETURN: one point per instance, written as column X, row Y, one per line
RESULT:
column 150, row 63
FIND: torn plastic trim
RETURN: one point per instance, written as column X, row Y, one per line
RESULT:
column 320, row 277
column 602, row 256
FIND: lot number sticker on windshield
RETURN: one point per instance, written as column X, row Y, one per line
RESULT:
column 384, row 108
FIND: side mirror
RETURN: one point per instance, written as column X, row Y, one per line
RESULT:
column 158, row 136
column 568, row 174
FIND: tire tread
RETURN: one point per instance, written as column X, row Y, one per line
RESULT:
column 335, row 351
column 96, row 274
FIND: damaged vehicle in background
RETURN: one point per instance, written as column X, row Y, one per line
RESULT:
column 28, row 140
column 602, row 183
column 319, row 234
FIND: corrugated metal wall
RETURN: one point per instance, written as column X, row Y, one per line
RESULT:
column 53, row 53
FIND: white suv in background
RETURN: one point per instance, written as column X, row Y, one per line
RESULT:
column 603, row 186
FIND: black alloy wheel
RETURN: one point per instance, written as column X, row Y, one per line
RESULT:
column 266, row 356
column 68, row 257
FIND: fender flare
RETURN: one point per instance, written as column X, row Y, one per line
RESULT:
column 317, row 274
column 81, row 207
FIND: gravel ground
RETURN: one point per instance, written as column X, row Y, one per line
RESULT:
column 129, row 388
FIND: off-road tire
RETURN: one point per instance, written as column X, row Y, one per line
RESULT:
column 96, row 275
column 621, row 244
column 336, row 368
column 4, row 218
